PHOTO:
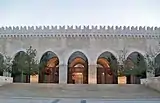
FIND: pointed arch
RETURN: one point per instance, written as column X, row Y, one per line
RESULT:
column 78, row 54
column 136, row 67
column 76, row 72
column 157, row 64
column 20, row 67
column 47, row 56
column 131, row 51
column 49, row 68
column 106, row 68
column 1, row 64
column 20, row 54
column 137, row 58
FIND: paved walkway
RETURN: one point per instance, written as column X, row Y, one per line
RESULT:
column 72, row 100
column 50, row 93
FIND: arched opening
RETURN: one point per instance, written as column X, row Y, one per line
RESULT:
column 20, row 68
column 135, row 68
column 1, row 64
column 107, row 69
column 77, row 68
column 157, row 65
column 49, row 68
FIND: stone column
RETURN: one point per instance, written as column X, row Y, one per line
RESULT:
column 92, row 74
column 63, row 74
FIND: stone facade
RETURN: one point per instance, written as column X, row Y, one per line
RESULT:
column 153, row 83
column 5, row 80
column 92, row 41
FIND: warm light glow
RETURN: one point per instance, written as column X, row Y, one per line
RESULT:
column 122, row 80
column 99, row 66
column 52, row 62
column 79, row 65
column 34, row 78
column 77, row 61
column 78, row 77
column 103, row 62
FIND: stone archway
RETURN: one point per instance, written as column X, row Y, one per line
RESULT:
column 157, row 64
column 135, row 68
column 49, row 68
column 77, row 68
column 107, row 69
column 20, row 68
column 1, row 64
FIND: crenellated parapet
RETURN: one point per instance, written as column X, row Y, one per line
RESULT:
column 80, row 31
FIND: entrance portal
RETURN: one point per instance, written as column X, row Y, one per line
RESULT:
column 106, row 69
column 135, row 68
column 104, row 76
column 78, row 78
column 49, row 68
column 77, row 74
column 77, row 69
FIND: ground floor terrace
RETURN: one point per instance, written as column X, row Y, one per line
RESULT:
column 79, row 91
column 107, row 70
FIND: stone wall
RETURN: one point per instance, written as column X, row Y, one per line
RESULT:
column 110, row 30
column 152, row 82
column 89, row 39
column 5, row 80
column 92, row 41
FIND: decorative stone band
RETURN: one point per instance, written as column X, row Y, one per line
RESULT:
column 80, row 31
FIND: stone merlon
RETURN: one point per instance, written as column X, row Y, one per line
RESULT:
column 82, row 31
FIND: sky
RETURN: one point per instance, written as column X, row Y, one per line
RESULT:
column 80, row 12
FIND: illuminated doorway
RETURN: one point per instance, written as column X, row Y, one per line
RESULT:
column 77, row 68
column 49, row 68
column 107, row 69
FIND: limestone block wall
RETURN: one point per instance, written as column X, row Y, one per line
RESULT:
column 5, row 80
column 152, row 82
column 90, row 40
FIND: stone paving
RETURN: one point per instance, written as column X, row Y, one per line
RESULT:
column 50, row 93
column 73, row 100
